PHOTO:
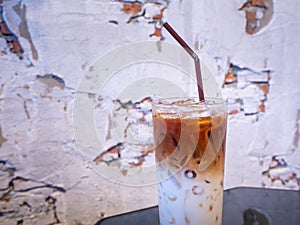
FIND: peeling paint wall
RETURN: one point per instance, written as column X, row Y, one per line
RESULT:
column 46, row 48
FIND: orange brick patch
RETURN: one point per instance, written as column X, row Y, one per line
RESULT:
column 258, row 13
column 251, row 88
column 132, row 8
column 11, row 39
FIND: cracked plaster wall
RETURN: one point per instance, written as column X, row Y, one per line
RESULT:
column 46, row 47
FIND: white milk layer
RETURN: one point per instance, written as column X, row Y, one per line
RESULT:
column 184, row 199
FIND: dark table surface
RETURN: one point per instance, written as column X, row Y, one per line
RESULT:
column 242, row 206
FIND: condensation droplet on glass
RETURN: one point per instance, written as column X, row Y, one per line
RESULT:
column 172, row 220
column 197, row 190
column 191, row 174
column 172, row 197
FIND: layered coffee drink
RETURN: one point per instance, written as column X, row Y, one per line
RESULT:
column 190, row 140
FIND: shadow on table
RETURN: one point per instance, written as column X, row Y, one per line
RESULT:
column 242, row 206
column 257, row 206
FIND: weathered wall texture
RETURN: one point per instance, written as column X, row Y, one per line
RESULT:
column 46, row 48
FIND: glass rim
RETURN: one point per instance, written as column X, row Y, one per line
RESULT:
column 178, row 101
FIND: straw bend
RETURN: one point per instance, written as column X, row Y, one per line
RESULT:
column 192, row 54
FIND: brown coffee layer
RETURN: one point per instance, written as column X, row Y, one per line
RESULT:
column 181, row 143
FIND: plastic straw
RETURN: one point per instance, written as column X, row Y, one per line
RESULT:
column 192, row 54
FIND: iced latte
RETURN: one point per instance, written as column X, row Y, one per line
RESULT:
column 190, row 149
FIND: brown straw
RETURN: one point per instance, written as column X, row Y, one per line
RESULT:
column 191, row 53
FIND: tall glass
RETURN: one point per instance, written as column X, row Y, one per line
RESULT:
column 190, row 139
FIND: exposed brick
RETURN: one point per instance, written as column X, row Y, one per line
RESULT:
column 258, row 2
column 160, row 15
column 258, row 13
column 4, row 29
column 11, row 39
column 17, row 47
column 234, row 111
column 265, row 88
column 251, row 17
column 230, row 78
column 243, row 82
column 157, row 32
column 137, row 11
column 262, row 107
column 19, row 188
column 121, row 154
column 132, row 8
column 279, row 171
